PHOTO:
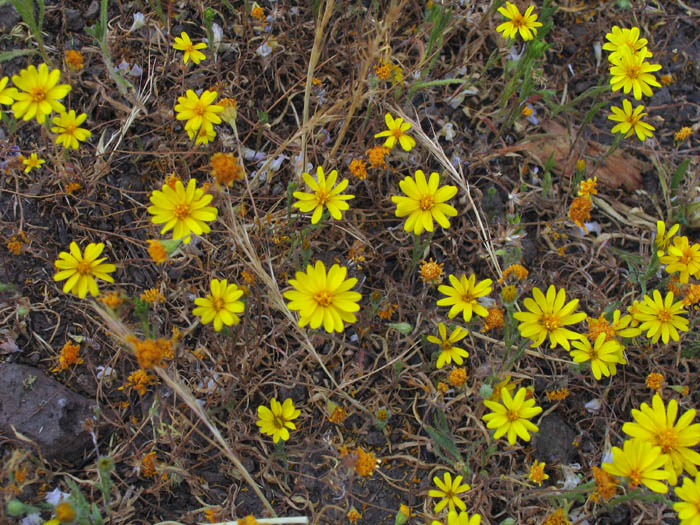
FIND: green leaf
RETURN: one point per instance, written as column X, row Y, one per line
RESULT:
column 9, row 55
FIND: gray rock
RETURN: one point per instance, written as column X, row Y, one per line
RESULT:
column 74, row 20
column 554, row 442
column 45, row 411
column 8, row 17
column 93, row 10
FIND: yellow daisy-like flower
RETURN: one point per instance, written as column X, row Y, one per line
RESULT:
column 192, row 51
column 449, row 491
column 31, row 162
column 627, row 39
column 526, row 24
column 661, row 317
column 38, row 93
column 547, row 316
column 325, row 194
column 183, row 210
column 632, row 73
column 324, row 298
column 657, row 425
column 537, row 473
column 79, row 271
column 396, row 133
column 203, row 135
column 603, row 355
column 425, row 201
column 663, row 239
column 7, row 94
column 640, row 463
column 682, row 258
column 221, row 306
column 276, row 421
column 70, row 134
column 621, row 325
column 449, row 352
column 461, row 519
column 462, row 296
column 630, row 121
column 200, row 112
column 688, row 508
column 511, row 417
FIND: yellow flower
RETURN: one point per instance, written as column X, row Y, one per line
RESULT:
column 606, row 485
column 657, row 425
column 449, row 352
column 38, row 93
column 556, row 518
column 663, row 239
column 661, row 317
column 630, row 121
column 225, row 168
column 588, row 187
column 621, row 326
column 139, row 381
column 69, row 356
column 396, row 132
column 678, row 136
column 537, row 473
column 688, row 508
column 65, row 512
column 462, row 296
column 354, row 516
column 640, row 463
column 199, row 112
column 682, row 258
column 526, row 24
column 425, row 201
column 655, row 381
column 81, row 270
column 183, row 43
column 449, row 492
column 580, row 211
column 221, row 306
column 324, row 298
column 276, row 421
column 69, row 132
column 627, row 39
column 632, row 73
column 461, row 519
column 512, row 415
column 325, row 194
column 358, row 168
column 183, row 210
column 31, row 162
column 74, row 59
column 7, row 95
column 366, row 462
column 603, row 355
column 203, row 135
column 431, row 272
column 547, row 316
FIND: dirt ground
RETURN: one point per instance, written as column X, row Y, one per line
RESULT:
column 400, row 407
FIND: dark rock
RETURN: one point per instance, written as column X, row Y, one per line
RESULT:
column 375, row 439
column 8, row 17
column 661, row 97
column 93, row 9
column 554, row 442
column 74, row 20
column 44, row 411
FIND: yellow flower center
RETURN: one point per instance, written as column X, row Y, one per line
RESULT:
column 446, row 346
column 70, row 129
column 38, row 94
column 182, row 210
column 322, row 196
column 664, row 316
column 550, row 322
column 667, row 440
column 518, row 21
column 687, row 256
column 396, row 132
column 190, row 48
column 218, row 304
column 633, row 71
column 635, row 478
column 426, row 202
column 199, row 109
column 512, row 415
column 467, row 297
column 323, row 298
column 278, row 421
column 83, row 268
